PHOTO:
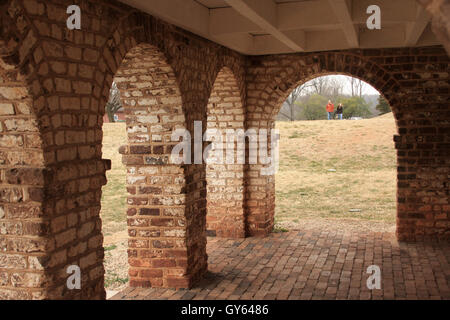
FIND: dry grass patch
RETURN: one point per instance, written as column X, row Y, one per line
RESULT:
column 338, row 171
column 113, row 211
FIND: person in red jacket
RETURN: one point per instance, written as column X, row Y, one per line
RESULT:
column 330, row 109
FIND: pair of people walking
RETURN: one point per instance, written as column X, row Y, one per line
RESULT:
column 331, row 113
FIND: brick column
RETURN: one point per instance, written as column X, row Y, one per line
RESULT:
column 260, row 189
column 423, row 148
column 22, row 183
column 225, row 182
column 158, row 217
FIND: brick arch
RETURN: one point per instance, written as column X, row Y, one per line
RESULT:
column 418, row 101
column 225, row 182
column 269, row 84
column 279, row 83
column 230, row 63
column 313, row 66
column 184, row 260
column 68, row 75
column 194, row 82
column 49, row 91
column 185, row 265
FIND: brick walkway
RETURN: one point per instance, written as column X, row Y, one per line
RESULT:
column 316, row 265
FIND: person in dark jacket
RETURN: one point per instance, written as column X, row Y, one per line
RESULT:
column 340, row 111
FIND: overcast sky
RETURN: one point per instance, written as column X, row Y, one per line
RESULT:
column 368, row 89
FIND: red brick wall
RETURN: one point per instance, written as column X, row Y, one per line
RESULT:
column 53, row 89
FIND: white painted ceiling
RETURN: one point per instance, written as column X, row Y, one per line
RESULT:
column 257, row 27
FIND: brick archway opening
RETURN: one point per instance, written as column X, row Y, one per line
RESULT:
column 335, row 184
column 267, row 93
column 377, row 82
column 225, row 176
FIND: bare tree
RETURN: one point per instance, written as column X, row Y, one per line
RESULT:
column 329, row 86
column 362, row 87
column 114, row 104
column 335, row 88
column 320, row 85
column 358, row 86
column 352, row 81
column 293, row 97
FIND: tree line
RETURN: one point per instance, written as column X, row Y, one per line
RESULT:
column 308, row 101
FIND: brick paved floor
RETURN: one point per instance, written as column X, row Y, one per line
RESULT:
column 316, row 265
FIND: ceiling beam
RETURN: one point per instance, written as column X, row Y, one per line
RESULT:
column 416, row 29
column 268, row 44
column 264, row 14
column 227, row 20
column 174, row 11
column 241, row 42
column 197, row 21
column 311, row 16
column 386, row 37
column 305, row 15
column 310, row 25
column 392, row 11
column 342, row 10
column 326, row 40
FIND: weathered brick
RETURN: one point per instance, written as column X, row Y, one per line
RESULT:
column 54, row 87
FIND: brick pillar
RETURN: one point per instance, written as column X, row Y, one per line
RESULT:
column 50, row 158
column 159, row 221
column 225, row 182
column 260, row 202
column 23, row 178
column 22, row 171
column 260, row 189
column 423, row 149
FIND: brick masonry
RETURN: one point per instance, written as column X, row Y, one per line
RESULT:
column 157, row 198
column 225, row 182
column 54, row 84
